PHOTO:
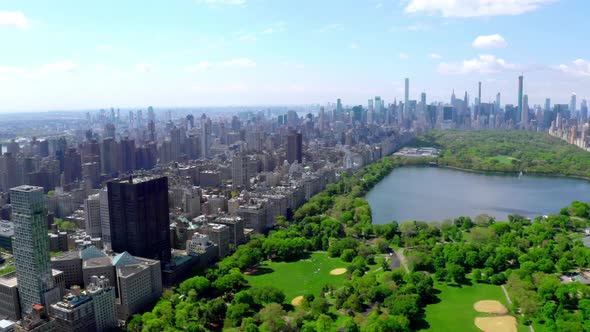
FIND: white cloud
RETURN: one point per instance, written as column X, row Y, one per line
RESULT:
column 578, row 67
column 483, row 64
column 379, row 5
column 11, row 70
column 268, row 31
column 14, row 19
column 248, row 37
column 435, row 56
column 63, row 66
column 354, row 46
column 489, row 41
column 404, row 56
column 330, row 27
column 144, row 67
column 474, row 8
column 232, row 63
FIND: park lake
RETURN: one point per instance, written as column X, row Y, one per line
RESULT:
column 436, row 194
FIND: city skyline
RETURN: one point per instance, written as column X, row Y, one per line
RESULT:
column 245, row 52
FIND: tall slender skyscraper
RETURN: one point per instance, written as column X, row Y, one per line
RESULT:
column 31, row 248
column 406, row 94
column 205, row 136
column 138, row 217
column 573, row 105
column 478, row 97
column 520, row 95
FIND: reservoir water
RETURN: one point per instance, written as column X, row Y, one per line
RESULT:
column 436, row 194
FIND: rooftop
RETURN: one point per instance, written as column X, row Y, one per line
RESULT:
column 26, row 188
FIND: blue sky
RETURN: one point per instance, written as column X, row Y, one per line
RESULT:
column 90, row 54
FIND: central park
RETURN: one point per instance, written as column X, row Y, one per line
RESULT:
column 332, row 268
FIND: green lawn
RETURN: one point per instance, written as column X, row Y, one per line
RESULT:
column 455, row 310
column 504, row 159
column 302, row 277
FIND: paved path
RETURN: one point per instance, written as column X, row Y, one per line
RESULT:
column 400, row 254
column 531, row 329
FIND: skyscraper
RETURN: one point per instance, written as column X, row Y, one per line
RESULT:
column 547, row 104
column 525, row 112
column 406, row 95
column 205, row 136
column 138, row 217
column 370, row 112
column 294, row 147
column 478, row 97
column 92, row 216
column 498, row 101
column 520, row 92
column 31, row 248
column 573, row 105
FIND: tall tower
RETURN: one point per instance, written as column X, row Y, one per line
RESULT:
column 525, row 112
column 498, row 100
column 31, row 248
column 138, row 217
column 519, row 113
column 406, row 95
column 205, row 136
column 322, row 119
column 478, row 97
column 370, row 112
column 573, row 105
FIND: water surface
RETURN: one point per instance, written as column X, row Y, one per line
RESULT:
column 435, row 194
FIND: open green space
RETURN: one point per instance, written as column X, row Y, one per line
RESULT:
column 455, row 310
column 507, row 160
column 306, row 276
column 507, row 151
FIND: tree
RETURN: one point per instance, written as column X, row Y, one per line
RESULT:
column 236, row 312
column 267, row 294
column 319, row 306
column 347, row 255
column 272, row 317
column 231, row 282
column 199, row 284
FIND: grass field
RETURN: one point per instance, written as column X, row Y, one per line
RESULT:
column 299, row 278
column 455, row 310
column 504, row 159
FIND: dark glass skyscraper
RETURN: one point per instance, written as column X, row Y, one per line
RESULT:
column 294, row 147
column 139, row 221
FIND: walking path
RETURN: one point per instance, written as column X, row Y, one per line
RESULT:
column 531, row 329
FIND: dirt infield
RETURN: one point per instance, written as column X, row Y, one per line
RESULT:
column 297, row 301
column 496, row 324
column 490, row 307
column 337, row 272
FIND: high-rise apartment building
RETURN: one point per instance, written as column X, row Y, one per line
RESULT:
column 138, row 217
column 31, row 248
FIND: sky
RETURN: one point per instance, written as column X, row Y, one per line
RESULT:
column 61, row 55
